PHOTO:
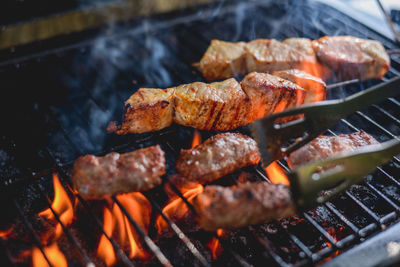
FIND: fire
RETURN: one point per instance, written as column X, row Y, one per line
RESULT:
column 4, row 234
column 214, row 245
column 196, row 139
column 276, row 174
column 176, row 208
column 61, row 205
column 115, row 222
column 53, row 254
column 315, row 88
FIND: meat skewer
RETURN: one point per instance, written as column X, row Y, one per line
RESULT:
column 331, row 58
column 218, row 106
column 216, row 157
column 99, row 177
column 258, row 202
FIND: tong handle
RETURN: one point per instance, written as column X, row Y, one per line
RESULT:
column 335, row 175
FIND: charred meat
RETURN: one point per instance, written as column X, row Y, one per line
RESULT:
column 219, row 106
column 242, row 205
column 333, row 58
column 217, row 156
column 99, row 177
column 325, row 146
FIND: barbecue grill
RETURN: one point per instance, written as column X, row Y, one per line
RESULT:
column 60, row 94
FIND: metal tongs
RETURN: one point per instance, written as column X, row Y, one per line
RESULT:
column 317, row 182
column 332, row 175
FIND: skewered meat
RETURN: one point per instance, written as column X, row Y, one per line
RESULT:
column 315, row 87
column 217, row 156
column 326, row 146
column 339, row 57
column 350, row 57
column 223, row 60
column 139, row 170
column 242, row 205
column 219, row 106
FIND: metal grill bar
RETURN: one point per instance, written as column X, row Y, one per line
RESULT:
column 31, row 231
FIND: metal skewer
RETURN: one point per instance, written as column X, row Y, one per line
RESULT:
column 389, row 21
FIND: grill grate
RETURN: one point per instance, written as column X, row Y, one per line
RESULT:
column 157, row 53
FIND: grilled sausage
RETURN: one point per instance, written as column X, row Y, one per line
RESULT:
column 217, row 156
column 326, row 146
column 242, row 205
column 99, row 177
column 334, row 58
column 219, row 106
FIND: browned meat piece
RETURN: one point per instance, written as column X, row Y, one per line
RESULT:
column 304, row 46
column 315, row 87
column 219, row 106
column 147, row 110
column 349, row 57
column 268, row 94
column 223, row 60
column 217, row 156
column 242, row 205
column 272, row 55
column 139, row 170
column 326, row 146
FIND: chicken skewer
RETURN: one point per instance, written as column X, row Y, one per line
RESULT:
column 331, row 58
column 253, row 203
column 219, row 106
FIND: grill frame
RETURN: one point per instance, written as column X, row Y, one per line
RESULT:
column 310, row 257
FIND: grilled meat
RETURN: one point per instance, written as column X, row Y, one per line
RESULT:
column 315, row 87
column 268, row 94
column 339, row 57
column 217, row 156
column 326, row 146
column 223, row 60
column 349, row 57
column 219, row 106
column 242, row 205
column 139, row 170
column 271, row 55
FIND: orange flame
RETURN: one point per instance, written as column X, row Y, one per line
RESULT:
column 196, row 139
column 105, row 248
column 315, row 86
column 53, row 254
column 176, row 208
column 61, row 205
column 138, row 207
column 4, row 234
column 276, row 174
column 214, row 245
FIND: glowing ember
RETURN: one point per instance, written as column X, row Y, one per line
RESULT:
column 276, row 174
column 61, row 205
column 177, row 208
column 214, row 245
column 53, row 254
column 196, row 138
column 115, row 221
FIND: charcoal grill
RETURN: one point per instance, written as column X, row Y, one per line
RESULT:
column 57, row 101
